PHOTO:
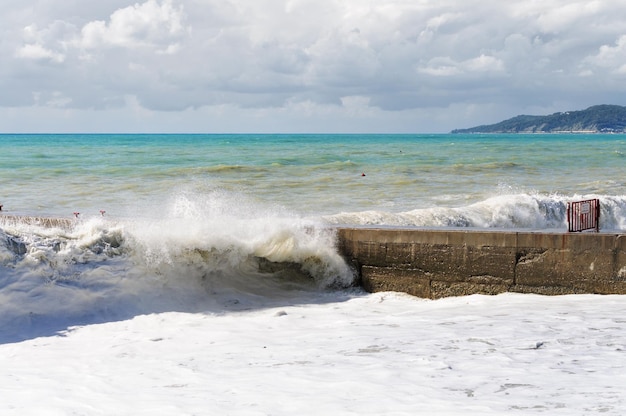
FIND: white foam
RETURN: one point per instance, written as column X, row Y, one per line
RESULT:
column 200, row 253
column 512, row 211
column 375, row 354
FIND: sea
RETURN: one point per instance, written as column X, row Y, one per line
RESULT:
column 145, row 238
column 217, row 208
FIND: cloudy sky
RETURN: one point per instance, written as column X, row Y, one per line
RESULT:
column 303, row 65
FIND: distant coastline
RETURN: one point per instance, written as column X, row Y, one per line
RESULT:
column 596, row 119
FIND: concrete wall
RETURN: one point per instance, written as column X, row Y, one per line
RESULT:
column 439, row 263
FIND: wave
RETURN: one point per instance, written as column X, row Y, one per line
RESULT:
column 211, row 253
column 486, row 167
column 220, row 169
column 59, row 273
column 517, row 211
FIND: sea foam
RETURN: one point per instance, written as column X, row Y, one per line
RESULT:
column 510, row 211
column 201, row 254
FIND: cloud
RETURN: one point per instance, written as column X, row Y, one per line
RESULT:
column 611, row 57
column 149, row 24
column 48, row 44
column 447, row 67
column 389, row 57
column 36, row 51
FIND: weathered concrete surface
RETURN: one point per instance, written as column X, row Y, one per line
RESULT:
column 439, row 263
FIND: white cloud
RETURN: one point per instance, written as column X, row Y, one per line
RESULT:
column 38, row 52
column 612, row 57
column 555, row 16
column 483, row 63
column 438, row 68
column 446, row 67
column 148, row 24
column 407, row 56
column 48, row 44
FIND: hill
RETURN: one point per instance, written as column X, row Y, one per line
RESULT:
column 596, row 119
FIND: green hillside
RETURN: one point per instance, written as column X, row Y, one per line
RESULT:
column 596, row 119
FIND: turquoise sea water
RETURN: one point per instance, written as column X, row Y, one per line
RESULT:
column 192, row 221
column 315, row 175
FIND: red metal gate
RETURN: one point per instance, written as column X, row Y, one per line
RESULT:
column 583, row 215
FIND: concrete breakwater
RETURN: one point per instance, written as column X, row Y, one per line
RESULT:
column 437, row 263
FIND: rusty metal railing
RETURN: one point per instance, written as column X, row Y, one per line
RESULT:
column 583, row 215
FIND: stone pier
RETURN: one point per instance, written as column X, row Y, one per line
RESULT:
column 435, row 263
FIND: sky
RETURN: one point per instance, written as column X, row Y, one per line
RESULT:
column 303, row 66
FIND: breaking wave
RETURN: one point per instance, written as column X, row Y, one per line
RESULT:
column 518, row 211
column 205, row 255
